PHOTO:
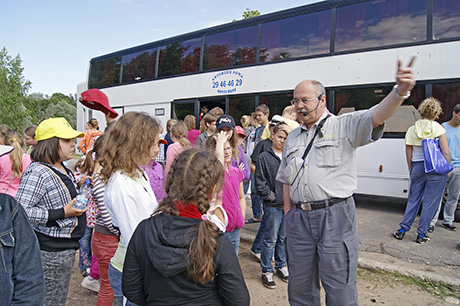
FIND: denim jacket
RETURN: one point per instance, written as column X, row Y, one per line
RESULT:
column 21, row 272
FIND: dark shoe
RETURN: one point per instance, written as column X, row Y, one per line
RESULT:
column 252, row 220
column 399, row 234
column 449, row 227
column 267, row 279
column 283, row 273
column 458, row 246
column 431, row 229
column 422, row 239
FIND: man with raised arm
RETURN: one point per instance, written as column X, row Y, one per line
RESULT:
column 318, row 175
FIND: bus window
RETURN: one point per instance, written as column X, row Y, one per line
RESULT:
column 448, row 94
column 446, row 14
column 296, row 36
column 347, row 100
column 276, row 102
column 379, row 23
column 104, row 73
column 180, row 110
column 231, row 48
column 139, row 66
column 239, row 106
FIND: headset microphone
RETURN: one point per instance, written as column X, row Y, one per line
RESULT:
column 305, row 113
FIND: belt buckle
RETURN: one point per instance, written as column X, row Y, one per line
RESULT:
column 305, row 206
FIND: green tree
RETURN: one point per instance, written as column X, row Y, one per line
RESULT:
column 248, row 13
column 13, row 91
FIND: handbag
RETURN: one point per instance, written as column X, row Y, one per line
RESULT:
column 434, row 160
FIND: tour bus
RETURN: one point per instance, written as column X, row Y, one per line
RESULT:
column 351, row 46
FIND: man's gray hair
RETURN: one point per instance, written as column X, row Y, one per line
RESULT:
column 319, row 88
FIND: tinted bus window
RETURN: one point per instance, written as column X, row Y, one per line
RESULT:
column 169, row 63
column 231, row 48
column 380, row 23
column 105, row 73
column 446, row 16
column 448, row 94
column 190, row 55
column 349, row 100
column 296, row 37
column 239, row 106
column 276, row 102
column 139, row 66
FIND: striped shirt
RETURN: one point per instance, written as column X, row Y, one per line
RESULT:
column 103, row 217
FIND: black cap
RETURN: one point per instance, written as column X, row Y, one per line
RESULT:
column 225, row 120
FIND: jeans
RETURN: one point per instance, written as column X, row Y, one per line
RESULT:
column 257, row 244
column 453, row 193
column 428, row 186
column 115, row 283
column 274, row 236
column 104, row 246
column 85, row 249
column 234, row 237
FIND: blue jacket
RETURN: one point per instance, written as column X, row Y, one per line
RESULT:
column 21, row 271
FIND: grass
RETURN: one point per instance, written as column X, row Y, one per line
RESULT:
column 434, row 288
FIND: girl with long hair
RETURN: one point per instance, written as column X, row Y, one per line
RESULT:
column 93, row 130
column 13, row 165
column 29, row 137
column 181, row 143
column 132, row 141
column 178, row 256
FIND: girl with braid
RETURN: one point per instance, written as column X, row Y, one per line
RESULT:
column 177, row 256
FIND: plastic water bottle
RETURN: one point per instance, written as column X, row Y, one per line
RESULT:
column 83, row 195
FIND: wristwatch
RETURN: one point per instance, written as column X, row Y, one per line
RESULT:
column 407, row 95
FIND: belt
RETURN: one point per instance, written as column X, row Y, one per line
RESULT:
column 311, row 205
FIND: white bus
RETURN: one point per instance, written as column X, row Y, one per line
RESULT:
column 351, row 46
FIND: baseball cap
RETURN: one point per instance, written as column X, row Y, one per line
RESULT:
column 162, row 141
column 225, row 121
column 5, row 149
column 96, row 99
column 56, row 127
column 239, row 130
column 276, row 119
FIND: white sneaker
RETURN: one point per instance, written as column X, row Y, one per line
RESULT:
column 256, row 255
column 91, row 284
column 283, row 273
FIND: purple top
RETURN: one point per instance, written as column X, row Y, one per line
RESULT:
column 156, row 176
column 192, row 135
column 242, row 160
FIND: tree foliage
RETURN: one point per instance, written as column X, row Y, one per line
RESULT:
column 13, row 91
column 19, row 110
column 248, row 13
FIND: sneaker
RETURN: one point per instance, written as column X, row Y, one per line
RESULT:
column 449, row 227
column 283, row 273
column 458, row 246
column 267, row 280
column 85, row 272
column 399, row 234
column 91, row 284
column 431, row 229
column 422, row 239
column 256, row 255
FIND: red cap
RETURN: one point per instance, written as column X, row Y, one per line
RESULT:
column 96, row 99
column 239, row 130
column 162, row 141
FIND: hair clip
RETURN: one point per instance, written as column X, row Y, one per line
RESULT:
column 204, row 217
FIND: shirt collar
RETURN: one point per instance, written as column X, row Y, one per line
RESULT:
column 304, row 127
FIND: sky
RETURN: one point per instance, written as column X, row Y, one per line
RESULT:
column 56, row 39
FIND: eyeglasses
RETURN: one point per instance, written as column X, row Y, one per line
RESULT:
column 304, row 101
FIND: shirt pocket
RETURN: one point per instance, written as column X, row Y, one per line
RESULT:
column 328, row 153
column 7, row 243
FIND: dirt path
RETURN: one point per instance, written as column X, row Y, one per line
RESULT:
column 374, row 288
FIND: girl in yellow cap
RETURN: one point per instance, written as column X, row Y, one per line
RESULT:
column 47, row 192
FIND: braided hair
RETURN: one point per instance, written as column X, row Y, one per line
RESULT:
column 193, row 178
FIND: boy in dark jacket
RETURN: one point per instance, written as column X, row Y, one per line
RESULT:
column 271, row 191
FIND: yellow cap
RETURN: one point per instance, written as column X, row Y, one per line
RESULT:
column 56, row 127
